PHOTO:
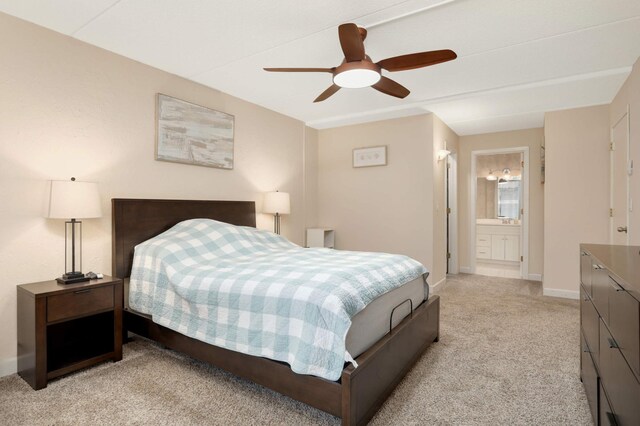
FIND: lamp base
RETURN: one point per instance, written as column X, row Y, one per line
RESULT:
column 72, row 278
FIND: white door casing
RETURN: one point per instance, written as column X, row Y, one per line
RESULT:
column 452, row 201
column 621, row 168
column 524, row 223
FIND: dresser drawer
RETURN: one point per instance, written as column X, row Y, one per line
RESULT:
column 618, row 381
column 483, row 240
column 589, row 379
column 590, row 322
column 624, row 323
column 483, row 252
column 600, row 289
column 607, row 417
column 585, row 271
column 78, row 303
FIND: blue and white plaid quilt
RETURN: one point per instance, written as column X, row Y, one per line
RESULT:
column 254, row 292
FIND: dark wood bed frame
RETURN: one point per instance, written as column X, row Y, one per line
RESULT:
column 360, row 392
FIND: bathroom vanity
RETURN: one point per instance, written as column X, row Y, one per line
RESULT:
column 497, row 241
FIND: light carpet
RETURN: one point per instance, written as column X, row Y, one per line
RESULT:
column 506, row 356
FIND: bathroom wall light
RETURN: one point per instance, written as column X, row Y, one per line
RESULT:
column 491, row 176
column 444, row 152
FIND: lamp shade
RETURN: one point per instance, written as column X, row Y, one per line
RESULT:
column 276, row 202
column 70, row 199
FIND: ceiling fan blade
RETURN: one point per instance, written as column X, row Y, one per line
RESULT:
column 299, row 69
column 351, row 42
column 391, row 88
column 330, row 91
column 417, row 60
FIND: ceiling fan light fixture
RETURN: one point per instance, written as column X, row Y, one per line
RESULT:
column 356, row 78
column 357, row 70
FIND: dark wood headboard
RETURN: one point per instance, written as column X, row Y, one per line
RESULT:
column 137, row 220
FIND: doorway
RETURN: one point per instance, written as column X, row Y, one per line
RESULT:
column 498, row 222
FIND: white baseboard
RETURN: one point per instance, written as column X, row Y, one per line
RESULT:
column 8, row 366
column 437, row 287
column 535, row 277
column 556, row 292
column 433, row 287
column 465, row 269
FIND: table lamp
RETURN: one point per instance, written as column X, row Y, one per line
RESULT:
column 276, row 203
column 73, row 200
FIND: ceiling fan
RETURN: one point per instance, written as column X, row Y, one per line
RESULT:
column 358, row 70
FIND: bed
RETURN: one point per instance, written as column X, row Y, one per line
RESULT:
column 355, row 396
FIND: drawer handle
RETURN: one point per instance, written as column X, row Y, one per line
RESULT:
column 612, row 343
column 615, row 285
column 86, row 290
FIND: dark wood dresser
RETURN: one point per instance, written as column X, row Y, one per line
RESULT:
column 610, row 332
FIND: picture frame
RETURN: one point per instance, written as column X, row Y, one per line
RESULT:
column 188, row 133
column 371, row 156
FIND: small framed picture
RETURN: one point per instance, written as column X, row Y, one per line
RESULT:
column 370, row 156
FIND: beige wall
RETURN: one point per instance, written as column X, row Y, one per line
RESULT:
column 385, row 208
column 397, row 208
column 532, row 138
column 311, row 178
column 485, row 198
column 629, row 95
column 576, row 192
column 71, row 109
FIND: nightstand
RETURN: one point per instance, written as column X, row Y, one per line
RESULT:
column 64, row 328
column 321, row 237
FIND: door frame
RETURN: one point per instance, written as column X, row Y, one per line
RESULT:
column 451, row 201
column 612, row 226
column 524, row 225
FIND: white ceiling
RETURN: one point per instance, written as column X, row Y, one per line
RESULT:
column 516, row 58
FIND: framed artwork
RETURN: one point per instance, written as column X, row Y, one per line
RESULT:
column 370, row 156
column 192, row 134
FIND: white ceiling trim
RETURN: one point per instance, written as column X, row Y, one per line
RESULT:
column 95, row 17
column 399, row 11
column 554, row 36
column 426, row 104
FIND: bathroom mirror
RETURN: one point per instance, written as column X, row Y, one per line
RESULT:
column 508, row 199
column 499, row 199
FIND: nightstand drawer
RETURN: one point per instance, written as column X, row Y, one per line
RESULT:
column 81, row 302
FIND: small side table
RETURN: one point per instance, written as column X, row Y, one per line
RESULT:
column 64, row 328
column 321, row 237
